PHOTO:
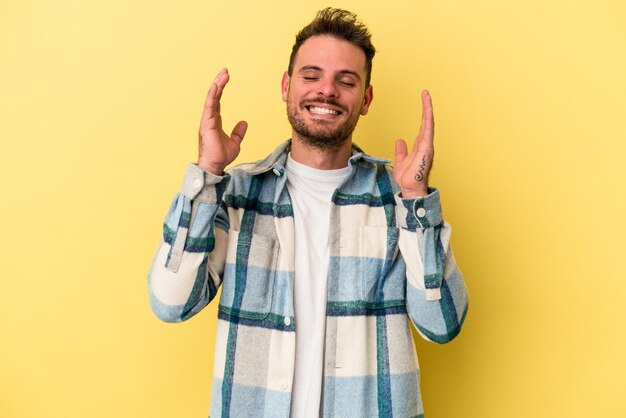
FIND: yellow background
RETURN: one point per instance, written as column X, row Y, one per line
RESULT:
column 99, row 108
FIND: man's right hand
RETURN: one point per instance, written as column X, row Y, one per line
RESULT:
column 215, row 148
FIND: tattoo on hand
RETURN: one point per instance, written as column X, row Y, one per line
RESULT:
column 420, row 174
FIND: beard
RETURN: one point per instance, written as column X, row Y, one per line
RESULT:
column 320, row 135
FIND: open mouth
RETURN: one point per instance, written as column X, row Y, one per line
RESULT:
column 316, row 110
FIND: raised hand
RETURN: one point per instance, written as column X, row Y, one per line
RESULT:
column 411, row 170
column 216, row 149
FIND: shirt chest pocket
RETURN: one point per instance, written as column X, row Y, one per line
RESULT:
column 382, row 274
column 248, row 284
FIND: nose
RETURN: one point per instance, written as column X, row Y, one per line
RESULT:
column 327, row 87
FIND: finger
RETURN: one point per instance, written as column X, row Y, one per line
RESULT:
column 425, row 135
column 239, row 131
column 221, row 80
column 219, row 76
column 209, row 104
column 401, row 150
column 428, row 122
column 212, row 102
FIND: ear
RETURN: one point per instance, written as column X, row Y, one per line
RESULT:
column 284, row 84
column 367, row 99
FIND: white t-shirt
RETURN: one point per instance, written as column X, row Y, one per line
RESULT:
column 311, row 191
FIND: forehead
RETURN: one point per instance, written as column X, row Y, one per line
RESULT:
column 330, row 54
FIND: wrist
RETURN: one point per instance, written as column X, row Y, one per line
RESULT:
column 216, row 169
column 411, row 194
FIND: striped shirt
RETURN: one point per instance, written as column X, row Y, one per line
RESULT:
column 390, row 262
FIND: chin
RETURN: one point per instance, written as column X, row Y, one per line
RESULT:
column 325, row 143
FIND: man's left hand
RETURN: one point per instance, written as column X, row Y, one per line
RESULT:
column 411, row 170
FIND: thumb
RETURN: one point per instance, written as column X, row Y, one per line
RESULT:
column 401, row 150
column 239, row 131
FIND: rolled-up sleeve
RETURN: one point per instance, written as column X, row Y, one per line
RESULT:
column 187, row 268
column 437, row 298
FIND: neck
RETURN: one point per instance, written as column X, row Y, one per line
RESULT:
column 321, row 159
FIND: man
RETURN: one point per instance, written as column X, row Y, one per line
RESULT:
column 321, row 250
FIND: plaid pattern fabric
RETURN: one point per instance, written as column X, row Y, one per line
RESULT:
column 390, row 258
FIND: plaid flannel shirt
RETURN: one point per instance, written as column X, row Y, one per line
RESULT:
column 389, row 258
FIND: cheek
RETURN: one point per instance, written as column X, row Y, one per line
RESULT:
column 291, row 100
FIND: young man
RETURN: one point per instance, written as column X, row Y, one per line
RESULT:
column 321, row 250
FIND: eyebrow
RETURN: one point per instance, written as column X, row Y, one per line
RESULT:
column 316, row 68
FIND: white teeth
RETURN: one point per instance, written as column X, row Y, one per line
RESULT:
column 322, row 111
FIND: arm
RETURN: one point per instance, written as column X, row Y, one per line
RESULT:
column 187, row 268
column 437, row 298
column 188, row 265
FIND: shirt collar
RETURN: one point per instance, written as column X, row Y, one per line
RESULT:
column 277, row 159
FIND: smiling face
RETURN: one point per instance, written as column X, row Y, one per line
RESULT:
column 326, row 92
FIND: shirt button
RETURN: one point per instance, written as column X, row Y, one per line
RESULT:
column 421, row 212
column 197, row 183
column 276, row 171
column 287, row 321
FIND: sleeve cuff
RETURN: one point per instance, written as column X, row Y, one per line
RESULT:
column 203, row 186
column 420, row 212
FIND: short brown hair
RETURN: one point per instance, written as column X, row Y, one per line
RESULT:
column 340, row 24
